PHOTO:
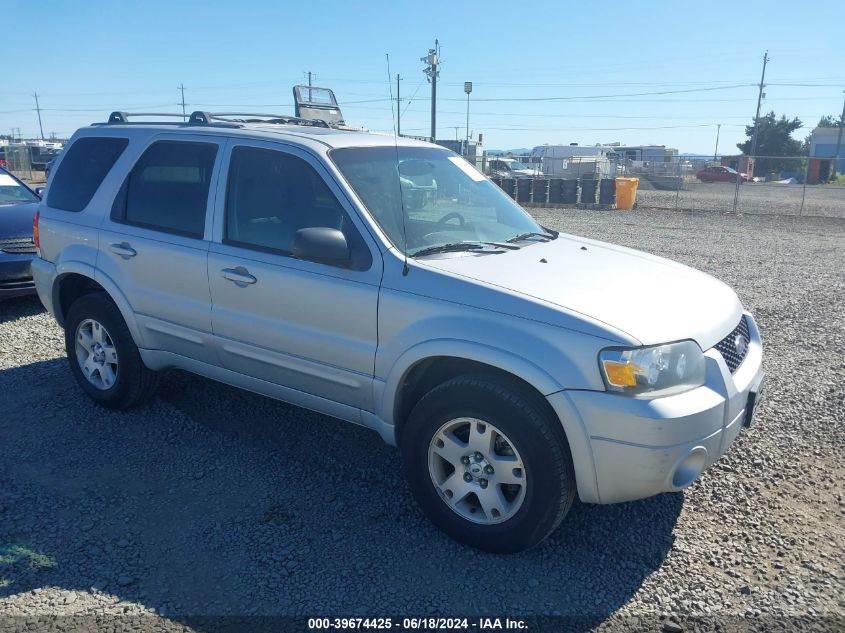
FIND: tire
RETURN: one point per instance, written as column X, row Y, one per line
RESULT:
column 130, row 383
column 530, row 511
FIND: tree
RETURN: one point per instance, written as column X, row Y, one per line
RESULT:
column 774, row 140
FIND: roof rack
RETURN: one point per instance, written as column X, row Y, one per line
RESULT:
column 283, row 119
column 220, row 118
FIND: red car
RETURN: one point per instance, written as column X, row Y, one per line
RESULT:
column 721, row 174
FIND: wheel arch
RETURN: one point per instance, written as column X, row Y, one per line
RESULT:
column 426, row 365
column 72, row 282
column 428, row 373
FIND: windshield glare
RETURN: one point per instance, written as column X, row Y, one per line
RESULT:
column 444, row 199
column 11, row 192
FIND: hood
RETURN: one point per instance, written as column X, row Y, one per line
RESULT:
column 652, row 299
column 16, row 219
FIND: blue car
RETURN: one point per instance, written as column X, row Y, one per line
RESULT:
column 18, row 204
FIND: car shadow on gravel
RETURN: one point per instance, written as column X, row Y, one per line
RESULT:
column 214, row 501
column 18, row 307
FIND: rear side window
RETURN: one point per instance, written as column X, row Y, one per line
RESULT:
column 167, row 190
column 82, row 171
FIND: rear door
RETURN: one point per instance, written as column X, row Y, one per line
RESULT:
column 154, row 244
column 308, row 326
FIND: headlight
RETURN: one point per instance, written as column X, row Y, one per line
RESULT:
column 660, row 370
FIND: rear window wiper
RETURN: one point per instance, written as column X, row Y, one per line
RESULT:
column 455, row 247
column 523, row 236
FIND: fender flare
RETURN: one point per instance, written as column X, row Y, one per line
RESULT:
column 568, row 417
column 65, row 268
column 478, row 352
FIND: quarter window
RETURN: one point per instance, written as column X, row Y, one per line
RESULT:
column 167, row 189
column 82, row 171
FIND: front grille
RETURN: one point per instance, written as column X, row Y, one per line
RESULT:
column 18, row 246
column 734, row 347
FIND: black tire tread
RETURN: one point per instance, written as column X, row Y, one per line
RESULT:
column 141, row 381
column 537, row 413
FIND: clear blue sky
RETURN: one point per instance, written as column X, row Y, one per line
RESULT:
column 88, row 57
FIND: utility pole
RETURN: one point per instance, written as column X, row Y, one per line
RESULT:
column 838, row 142
column 38, row 109
column 757, row 116
column 181, row 87
column 398, row 108
column 431, row 71
column 468, row 90
column 716, row 151
column 309, row 85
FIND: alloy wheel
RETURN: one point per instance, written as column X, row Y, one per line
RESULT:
column 477, row 471
column 96, row 354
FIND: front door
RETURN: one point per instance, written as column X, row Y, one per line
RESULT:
column 308, row 326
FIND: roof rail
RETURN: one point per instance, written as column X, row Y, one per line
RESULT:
column 265, row 118
column 123, row 117
column 221, row 118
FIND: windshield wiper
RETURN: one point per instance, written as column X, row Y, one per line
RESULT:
column 455, row 247
column 524, row 236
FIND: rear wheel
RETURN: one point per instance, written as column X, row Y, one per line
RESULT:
column 488, row 464
column 102, row 355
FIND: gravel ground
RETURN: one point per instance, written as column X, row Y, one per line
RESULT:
column 760, row 198
column 210, row 501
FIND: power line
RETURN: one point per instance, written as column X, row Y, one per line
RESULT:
column 611, row 96
column 596, row 129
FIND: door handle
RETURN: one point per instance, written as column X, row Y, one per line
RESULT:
column 239, row 275
column 123, row 249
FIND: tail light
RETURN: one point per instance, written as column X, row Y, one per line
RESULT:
column 35, row 237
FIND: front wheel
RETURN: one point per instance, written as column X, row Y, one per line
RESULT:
column 488, row 464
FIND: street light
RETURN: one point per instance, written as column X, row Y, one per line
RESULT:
column 467, row 89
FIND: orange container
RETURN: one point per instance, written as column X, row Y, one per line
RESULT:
column 626, row 192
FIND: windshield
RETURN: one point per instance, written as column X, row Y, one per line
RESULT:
column 444, row 199
column 12, row 192
column 517, row 165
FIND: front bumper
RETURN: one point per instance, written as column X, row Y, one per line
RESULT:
column 15, row 276
column 642, row 447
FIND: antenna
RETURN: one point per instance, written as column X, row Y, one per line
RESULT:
column 405, row 268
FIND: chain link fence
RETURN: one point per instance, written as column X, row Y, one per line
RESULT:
column 18, row 161
column 28, row 161
column 793, row 185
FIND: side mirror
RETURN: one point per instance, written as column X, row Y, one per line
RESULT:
column 321, row 244
column 39, row 191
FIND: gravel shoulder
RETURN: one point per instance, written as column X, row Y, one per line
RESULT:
column 212, row 501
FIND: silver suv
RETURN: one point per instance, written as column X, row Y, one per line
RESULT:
column 513, row 366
